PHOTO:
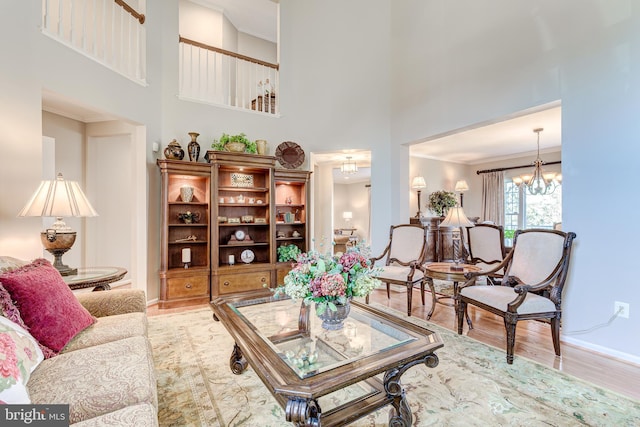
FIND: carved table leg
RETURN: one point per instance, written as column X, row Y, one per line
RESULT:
column 434, row 298
column 400, row 415
column 303, row 412
column 237, row 362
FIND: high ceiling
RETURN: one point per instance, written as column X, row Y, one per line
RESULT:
column 258, row 18
column 512, row 137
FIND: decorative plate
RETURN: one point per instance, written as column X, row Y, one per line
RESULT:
column 290, row 155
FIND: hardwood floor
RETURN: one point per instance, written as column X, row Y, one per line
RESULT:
column 533, row 340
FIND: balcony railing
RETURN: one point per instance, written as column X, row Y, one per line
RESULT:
column 216, row 76
column 107, row 31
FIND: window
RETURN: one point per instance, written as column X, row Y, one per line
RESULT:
column 524, row 210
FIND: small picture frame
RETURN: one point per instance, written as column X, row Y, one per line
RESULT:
column 247, row 218
column 241, row 180
column 233, row 220
column 261, row 220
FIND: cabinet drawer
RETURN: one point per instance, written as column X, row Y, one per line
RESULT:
column 244, row 282
column 184, row 287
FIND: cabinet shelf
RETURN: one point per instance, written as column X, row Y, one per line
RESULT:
column 286, row 205
column 189, row 203
column 193, row 224
column 238, row 224
column 243, row 205
column 243, row 245
column 279, row 239
column 244, row 189
column 190, row 242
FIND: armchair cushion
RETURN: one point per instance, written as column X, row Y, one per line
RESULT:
column 500, row 296
column 399, row 273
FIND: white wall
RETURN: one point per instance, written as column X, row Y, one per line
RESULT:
column 475, row 61
column 257, row 48
column 439, row 176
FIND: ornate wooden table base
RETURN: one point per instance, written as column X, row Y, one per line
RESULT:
column 444, row 271
column 301, row 363
column 307, row 412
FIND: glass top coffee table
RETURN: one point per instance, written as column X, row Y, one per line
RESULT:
column 308, row 369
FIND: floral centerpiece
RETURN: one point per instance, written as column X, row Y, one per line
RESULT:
column 329, row 280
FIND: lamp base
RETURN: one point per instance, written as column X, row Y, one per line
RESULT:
column 63, row 269
column 57, row 244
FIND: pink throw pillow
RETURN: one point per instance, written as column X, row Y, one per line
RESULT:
column 47, row 306
column 11, row 312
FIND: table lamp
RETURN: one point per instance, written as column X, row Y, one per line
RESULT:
column 347, row 216
column 59, row 198
column 456, row 218
column 461, row 187
column 418, row 183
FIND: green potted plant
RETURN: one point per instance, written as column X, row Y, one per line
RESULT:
column 441, row 201
column 237, row 143
column 288, row 252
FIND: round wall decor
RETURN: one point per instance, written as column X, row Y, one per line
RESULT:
column 290, row 155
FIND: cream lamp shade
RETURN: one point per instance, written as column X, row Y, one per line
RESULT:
column 58, row 198
column 456, row 218
column 347, row 215
column 461, row 186
column 418, row 183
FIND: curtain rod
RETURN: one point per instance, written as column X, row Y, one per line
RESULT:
column 515, row 167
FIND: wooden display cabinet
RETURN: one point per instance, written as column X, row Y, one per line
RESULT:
column 243, row 218
column 291, row 213
column 184, row 283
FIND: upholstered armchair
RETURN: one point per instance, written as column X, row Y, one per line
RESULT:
column 405, row 255
column 535, row 274
column 486, row 248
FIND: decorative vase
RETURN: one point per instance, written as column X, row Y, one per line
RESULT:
column 186, row 193
column 261, row 146
column 174, row 151
column 235, row 147
column 193, row 148
column 334, row 320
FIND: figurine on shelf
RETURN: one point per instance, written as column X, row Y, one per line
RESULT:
column 288, row 200
column 188, row 217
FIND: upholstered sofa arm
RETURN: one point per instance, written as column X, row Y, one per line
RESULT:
column 117, row 301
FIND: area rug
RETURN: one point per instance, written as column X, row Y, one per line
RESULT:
column 471, row 386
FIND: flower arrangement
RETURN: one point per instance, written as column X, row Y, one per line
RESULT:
column 329, row 279
column 440, row 201
column 288, row 252
column 189, row 216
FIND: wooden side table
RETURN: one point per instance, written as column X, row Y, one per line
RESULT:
column 442, row 271
column 98, row 278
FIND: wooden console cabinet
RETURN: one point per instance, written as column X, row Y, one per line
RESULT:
column 182, row 284
column 246, row 208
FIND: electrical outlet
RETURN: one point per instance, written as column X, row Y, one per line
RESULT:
column 622, row 309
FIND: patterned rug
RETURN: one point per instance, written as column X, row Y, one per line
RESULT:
column 472, row 385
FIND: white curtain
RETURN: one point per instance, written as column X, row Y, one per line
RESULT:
column 493, row 197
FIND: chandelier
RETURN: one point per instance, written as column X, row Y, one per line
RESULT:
column 349, row 167
column 538, row 182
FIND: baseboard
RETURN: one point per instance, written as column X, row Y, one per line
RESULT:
column 603, row 350
column 152, row 302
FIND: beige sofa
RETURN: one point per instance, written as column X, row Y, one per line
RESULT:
column 105, row 373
